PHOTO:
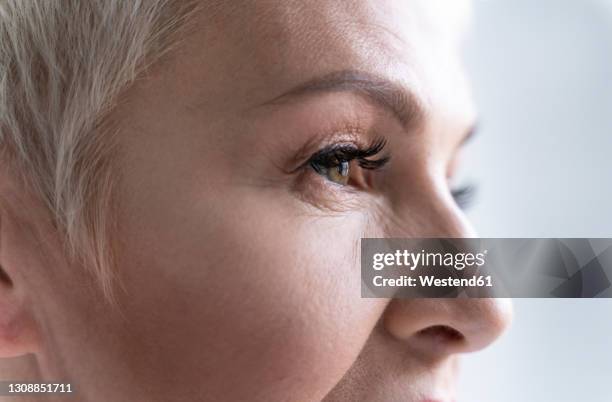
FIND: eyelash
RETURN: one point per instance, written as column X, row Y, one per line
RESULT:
column 332, row 156
column 464, row 196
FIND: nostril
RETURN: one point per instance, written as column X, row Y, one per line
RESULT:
column 441, row 334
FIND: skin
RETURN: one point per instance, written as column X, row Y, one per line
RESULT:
column 238, row 262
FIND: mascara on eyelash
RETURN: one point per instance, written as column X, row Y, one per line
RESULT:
column 346, row 152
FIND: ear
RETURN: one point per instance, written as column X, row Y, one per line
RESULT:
column 18, row 329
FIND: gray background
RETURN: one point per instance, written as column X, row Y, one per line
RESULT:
column 542, row 75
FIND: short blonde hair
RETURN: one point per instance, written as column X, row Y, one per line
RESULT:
column 63, row 64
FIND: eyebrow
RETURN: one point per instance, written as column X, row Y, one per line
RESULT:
column 389, row 95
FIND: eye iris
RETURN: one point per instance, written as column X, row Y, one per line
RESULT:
column 339, row 173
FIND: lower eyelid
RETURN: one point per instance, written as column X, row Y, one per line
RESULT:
column 323, row 193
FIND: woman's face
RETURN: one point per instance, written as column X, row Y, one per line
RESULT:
column 239, row 228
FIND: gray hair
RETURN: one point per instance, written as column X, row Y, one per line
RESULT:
column 63, row 65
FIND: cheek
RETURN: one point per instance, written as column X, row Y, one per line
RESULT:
column 249, row 291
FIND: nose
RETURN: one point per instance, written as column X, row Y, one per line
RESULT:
column 437, row 328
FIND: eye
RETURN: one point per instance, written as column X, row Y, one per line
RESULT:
column 464, row 196
column 338, row 173
column 336, row 162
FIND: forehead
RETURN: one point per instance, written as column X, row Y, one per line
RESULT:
column 273, row 34
column 331, row 18
column 253, row 50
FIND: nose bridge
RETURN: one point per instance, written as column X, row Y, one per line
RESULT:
column 427, row 210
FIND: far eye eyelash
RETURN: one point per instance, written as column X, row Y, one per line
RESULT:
column 464, row 196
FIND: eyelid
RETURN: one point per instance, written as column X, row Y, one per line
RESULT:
column 352, row 151
column 344, row 134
